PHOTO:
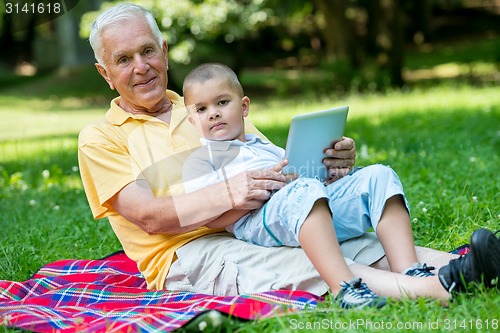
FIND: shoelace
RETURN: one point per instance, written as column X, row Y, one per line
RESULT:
column 362, row 289
column 427, row 269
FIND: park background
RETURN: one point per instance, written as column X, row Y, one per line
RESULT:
column 420, row 77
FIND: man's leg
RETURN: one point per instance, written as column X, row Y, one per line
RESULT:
column 219, row 264
column 432, row 257
column 480, row 265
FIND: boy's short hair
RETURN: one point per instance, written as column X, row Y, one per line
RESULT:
column 213, row 70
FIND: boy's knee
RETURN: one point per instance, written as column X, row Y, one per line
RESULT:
column 380, row 172
column 310, row 183
column 307, row 188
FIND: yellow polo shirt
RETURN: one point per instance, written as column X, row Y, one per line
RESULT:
column 121, row 148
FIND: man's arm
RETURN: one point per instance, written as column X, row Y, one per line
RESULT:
column 186, row 212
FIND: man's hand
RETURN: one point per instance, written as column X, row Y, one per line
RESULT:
column 249, row 190
column 340, row 159
column 261, row 184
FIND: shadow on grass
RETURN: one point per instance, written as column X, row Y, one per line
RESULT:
column 445, row 161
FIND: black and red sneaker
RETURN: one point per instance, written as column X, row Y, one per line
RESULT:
column 481, row 264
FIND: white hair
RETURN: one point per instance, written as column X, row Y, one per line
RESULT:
column 111, row 16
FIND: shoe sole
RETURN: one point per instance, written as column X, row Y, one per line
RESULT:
column 485, row 247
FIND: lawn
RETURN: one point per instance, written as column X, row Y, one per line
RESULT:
column 443, row 142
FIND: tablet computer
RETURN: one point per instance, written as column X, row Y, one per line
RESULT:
column 308, row 137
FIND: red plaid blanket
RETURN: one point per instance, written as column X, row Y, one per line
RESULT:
column 110, row 295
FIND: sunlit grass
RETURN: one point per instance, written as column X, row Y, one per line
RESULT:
column 37, row 120
column 443, row 142
column 375, row 108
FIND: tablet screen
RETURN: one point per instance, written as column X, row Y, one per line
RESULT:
column 309, row 135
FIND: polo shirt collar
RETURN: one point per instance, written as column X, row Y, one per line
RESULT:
column 224, row 145
column 117, row 116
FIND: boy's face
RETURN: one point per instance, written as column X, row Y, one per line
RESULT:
column 216, row 110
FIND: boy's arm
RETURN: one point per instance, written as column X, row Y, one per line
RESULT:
column 227, row 219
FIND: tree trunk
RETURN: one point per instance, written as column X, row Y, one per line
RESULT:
column 389, row 26
column 7, row 41
column 336, row 31
column 67, row 36
column 422, row 19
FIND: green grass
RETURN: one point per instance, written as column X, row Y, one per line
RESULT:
column 443, row 142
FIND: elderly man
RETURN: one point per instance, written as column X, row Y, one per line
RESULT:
column 131, row 163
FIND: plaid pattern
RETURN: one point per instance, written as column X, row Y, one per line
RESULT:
column 462, row 250
column 110, row 295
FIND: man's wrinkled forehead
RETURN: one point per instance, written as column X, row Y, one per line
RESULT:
column 121, row 30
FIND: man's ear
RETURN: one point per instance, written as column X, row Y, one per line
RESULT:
column 165, row 51
column 245, row 106
column 104, row 74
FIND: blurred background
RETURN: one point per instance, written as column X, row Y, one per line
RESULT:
column 277, row 47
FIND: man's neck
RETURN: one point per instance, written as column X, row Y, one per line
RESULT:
column 160, row 110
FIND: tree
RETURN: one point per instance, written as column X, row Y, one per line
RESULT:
column 387, row 35
column 189, row 22
column 336, row 30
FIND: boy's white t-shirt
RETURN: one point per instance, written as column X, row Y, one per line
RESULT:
column 216, row 161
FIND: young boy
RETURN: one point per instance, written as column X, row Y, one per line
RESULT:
column 300, row 214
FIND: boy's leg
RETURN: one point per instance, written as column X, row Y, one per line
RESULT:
column 396, row 285
column 318, row 239
column 374, row 197
column 279, row 221
column 395, row 235
column 298, row 215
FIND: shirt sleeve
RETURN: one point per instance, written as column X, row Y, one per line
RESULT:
column 105, row 169
column 198, row 172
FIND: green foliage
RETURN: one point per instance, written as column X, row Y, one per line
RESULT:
column 288, row 36
column 187, row 22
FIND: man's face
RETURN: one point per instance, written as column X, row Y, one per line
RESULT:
column 135, row 64
column 216, row 110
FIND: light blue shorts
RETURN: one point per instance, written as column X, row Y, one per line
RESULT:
column 356, row 202
column 279, row 221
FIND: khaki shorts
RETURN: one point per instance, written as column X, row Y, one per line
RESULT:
column 219, row 264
